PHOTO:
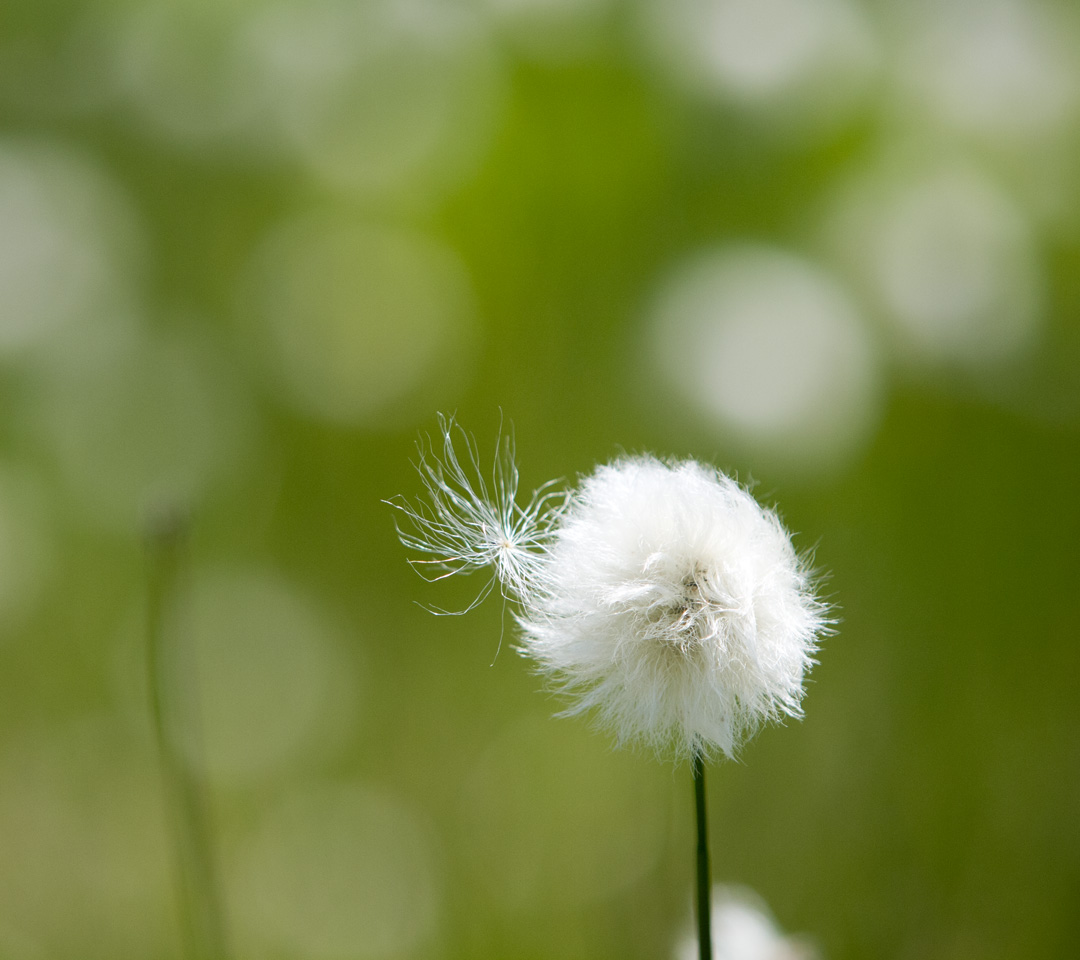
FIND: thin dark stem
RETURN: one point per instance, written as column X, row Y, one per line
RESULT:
column 704, row 883
column 200, row 916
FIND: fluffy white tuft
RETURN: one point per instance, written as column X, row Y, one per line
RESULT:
column 658, row 596
column 675, row 607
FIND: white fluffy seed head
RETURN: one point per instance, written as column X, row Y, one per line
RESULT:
column 659, row 597
column 675, row 607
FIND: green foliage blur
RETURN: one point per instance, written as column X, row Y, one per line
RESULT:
column 250, row 248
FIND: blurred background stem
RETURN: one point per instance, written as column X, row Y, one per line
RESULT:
column 201, row 923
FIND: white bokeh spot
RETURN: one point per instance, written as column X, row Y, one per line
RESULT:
column 800, row 61
column 1006, row 70
column 356, row 320
column 151, row 420
column 771, row 349
column 263, row 662
column 949, row 259
column 67, row 240
column 337, row 872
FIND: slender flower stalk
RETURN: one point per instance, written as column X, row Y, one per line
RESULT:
column 657, row 596
column 202, row 928
column 704, row 878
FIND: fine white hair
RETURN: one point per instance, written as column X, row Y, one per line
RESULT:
column 468, row 522
column 659, row 597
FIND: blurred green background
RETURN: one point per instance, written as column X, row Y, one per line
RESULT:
column 248, row 248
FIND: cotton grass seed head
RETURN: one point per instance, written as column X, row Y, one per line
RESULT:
column 659, row 597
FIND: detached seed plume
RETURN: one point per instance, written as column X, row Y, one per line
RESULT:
column 462, row 524
column 658, row 595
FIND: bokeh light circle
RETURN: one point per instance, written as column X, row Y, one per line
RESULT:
column 796, row 61
column 177, row 64
column 381, row 96
column 377, row 97
column 337, row 872
column 358, row 322
column 149, row 420
column 949, row 259
column 257, row 667
column 1006, row 71
column 769, row 348
column 67, row 240
column 551, row 30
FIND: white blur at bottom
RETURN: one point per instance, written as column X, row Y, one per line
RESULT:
column 743, row 929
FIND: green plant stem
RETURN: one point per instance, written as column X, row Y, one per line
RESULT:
column 200, row 916
column 704, row 883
